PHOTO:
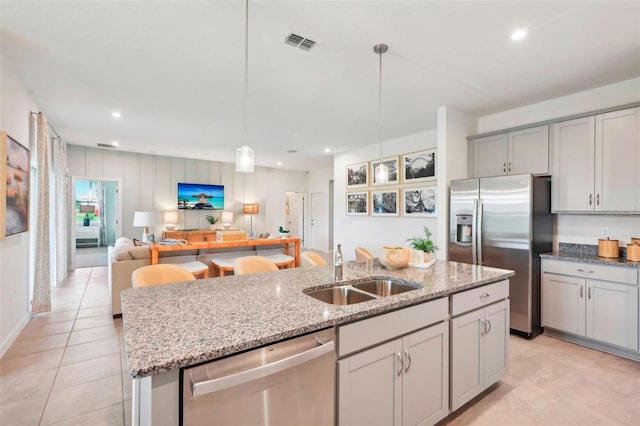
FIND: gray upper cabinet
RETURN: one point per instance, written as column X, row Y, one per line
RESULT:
column 518, row 152
column 595, row 163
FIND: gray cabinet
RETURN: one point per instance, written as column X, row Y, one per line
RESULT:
column 404, row 381
column 518, row 152
column 594, row 301
column 595, row 163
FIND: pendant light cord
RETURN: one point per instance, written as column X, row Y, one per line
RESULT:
column 246, row 69
column 380, row 100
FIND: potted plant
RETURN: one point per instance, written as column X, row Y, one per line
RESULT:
column 212, row 221
column 284, row 233
column 424, row 244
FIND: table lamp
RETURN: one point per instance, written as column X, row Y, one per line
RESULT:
column 251, row 209
column 171, row 218
column 144, row 219
column 226, row 219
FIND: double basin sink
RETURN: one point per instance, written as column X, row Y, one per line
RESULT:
column 361, row 292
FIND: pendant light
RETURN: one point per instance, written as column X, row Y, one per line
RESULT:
column 244, row 154
column 381, row 172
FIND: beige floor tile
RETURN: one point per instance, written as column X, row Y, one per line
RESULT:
column 17, row 387
column 77, row 400
column 26, row 412
column 127, row 386
column 86, row 371
column 39, row 344
column 63, row 307
column 40, row 329
column 109, row 416
column 92, row 322
column 53, row 317
column 93, row 312
column 31, row 363
column 90, row 350
column 128, row 410
column 93, row 303
column 92, row 334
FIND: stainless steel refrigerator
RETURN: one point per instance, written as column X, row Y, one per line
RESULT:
column 505, row 222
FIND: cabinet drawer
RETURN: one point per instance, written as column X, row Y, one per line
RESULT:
column 371, row 331
column 478, row 297
column 619, row 274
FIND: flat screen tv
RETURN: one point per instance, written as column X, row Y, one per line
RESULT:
column 200, row 196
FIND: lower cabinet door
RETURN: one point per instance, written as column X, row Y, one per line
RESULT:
column 425, row 380
column 496, row 343
column 369, row 386
column 466, row 363
column 612, row 313
column 563, row 306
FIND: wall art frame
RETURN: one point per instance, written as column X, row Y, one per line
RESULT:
column 420, row 201
column 385, row 202
column 357, row 175
column 358, row 203
column 393, row 163
column 420, row 166
column 14, row 190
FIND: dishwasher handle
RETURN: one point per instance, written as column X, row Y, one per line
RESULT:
column 214, row 385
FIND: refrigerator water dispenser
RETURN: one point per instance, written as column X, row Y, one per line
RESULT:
column 464, row 228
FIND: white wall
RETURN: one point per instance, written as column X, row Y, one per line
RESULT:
column 579, row 229
column 149, row 183
column 318, row 182
column 15, row 107
column 372, row 232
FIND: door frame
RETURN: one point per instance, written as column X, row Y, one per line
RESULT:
column 72, row 214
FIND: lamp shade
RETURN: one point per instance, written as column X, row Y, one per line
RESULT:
column 144, row 219
column 226, row 218
column 251, row 208
column 171, row 217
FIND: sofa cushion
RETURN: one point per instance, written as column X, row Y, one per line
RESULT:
column 140, row 252
column 123, row 240
column 121, row 250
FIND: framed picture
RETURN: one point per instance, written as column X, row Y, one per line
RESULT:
column 385, row 203
column 392, row 163
column 420, row 202
column 14, row 191
column 358, row 203
column 419, row 166
column 358, row 175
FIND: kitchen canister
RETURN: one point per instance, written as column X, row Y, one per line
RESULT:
column 608, row 248
column 635, row 241
column 633, row 250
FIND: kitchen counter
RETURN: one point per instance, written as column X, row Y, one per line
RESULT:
column 587, row 254
column 176, row 325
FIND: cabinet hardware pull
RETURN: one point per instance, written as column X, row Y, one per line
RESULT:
column 484, row 296
column 580, row 292
column 401, row 362
column 597, row 199
column 484, row 328
column 589, row 199
column 489, row 327
column 504, row 167
column 509, row 165
column 406, row 353
column 585, row 271
column 589, row 292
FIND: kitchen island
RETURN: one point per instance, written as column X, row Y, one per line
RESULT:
column 177, row 325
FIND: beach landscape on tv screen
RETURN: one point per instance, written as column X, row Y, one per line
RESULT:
column 199, row 196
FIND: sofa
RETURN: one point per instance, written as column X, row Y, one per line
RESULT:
column 125, row 257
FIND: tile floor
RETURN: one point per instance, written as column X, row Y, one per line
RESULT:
column 68, row 367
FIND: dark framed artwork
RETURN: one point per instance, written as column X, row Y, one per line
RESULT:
column 357, row 175
column 419, row 166
column 14, row 191
column 385, row 203
column 358, row 203
column 393, row 164
column 420, row 201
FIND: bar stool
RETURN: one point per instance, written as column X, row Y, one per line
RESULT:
column 362, row 254
column 165, row 273
column 309, row 258
column 197, row 268
column 252, row 265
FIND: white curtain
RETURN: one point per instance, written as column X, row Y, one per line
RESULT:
column 61, row 208
column 42, row 275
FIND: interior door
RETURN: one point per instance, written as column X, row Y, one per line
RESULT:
column 317, row 227
column 296, row 216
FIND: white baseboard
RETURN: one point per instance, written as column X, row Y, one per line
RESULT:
column 14, row 334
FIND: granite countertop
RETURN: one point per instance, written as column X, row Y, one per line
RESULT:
column 176, row 325
column 588, row 254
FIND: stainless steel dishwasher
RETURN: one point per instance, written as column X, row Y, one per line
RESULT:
column 287, row 383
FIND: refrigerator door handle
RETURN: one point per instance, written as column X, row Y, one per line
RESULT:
column 474, row 216
column 479, row 232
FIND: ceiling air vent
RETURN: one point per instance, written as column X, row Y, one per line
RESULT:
column 107, row 145
column 301, row 42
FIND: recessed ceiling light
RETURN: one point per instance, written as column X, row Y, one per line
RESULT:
column 279, row 163
column 115, row 143
column 327, row 150
column 519, row 34
column 116, row 114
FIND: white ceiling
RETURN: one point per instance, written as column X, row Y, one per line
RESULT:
column 175, row 70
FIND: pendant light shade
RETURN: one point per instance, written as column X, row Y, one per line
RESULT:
column 381, row 172
column 244, row 154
